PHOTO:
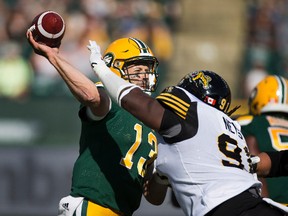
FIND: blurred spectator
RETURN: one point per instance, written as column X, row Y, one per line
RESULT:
column 100, row 20
column 260, row 42
column 74, row 45
column 172, row 13
column 15, row 72
column 47, row 81
column 81, row 27
column 267, row 39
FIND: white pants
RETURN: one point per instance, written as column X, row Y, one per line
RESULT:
column 276, row 204
column 69, row 205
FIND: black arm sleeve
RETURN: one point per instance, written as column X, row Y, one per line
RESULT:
column 180, row 119
column 279, row 162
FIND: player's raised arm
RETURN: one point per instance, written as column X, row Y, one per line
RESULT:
column 82, row 88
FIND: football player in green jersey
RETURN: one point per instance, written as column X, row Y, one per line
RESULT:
column 266, row 128
column 116, row 150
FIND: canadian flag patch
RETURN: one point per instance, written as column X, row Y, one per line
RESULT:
column 210, row 100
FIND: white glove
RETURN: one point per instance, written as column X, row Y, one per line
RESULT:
column 95, row 56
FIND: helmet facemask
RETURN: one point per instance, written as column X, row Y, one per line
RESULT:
column 147, row 79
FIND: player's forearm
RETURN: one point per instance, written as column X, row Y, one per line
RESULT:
column 264, row 166
column 80, row 86
column 155, row 192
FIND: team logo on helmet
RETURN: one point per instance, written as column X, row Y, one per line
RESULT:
column 203, row 79
column 108, row 59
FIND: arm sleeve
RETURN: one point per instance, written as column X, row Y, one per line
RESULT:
column 279, row 166
column 180, row 119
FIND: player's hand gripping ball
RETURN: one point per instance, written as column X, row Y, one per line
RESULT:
column 48, row 28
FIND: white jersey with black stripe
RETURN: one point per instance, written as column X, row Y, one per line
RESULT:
column 210, row 166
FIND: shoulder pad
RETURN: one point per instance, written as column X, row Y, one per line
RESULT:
column 175, row 100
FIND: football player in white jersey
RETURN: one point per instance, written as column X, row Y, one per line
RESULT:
column 202, row 151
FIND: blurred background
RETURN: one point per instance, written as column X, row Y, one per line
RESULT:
column 39, row 127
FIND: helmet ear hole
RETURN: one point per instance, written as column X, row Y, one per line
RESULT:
column 117, row 64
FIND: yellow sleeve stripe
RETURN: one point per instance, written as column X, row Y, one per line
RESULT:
column 179, row 106
column 179, row 112
column 180, row 101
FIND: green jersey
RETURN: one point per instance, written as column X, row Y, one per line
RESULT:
column 113, row 155
column 271, row 133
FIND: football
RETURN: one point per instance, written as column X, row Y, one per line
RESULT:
column 48, row 28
